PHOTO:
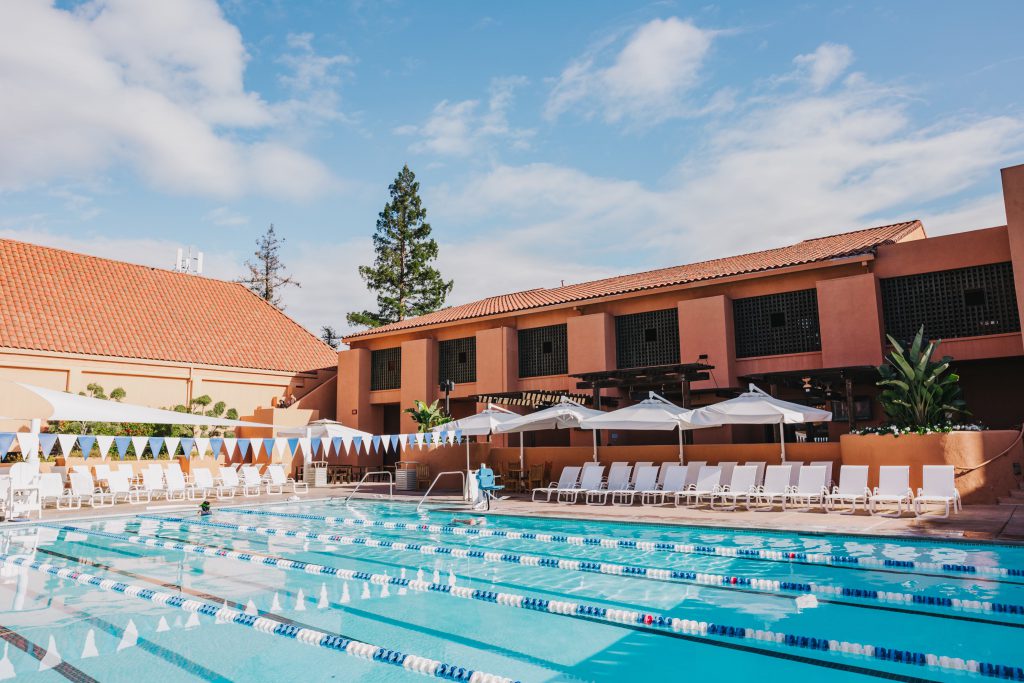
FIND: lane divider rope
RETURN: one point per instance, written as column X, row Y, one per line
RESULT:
column 307, row 636
column 668, row 575
column 632, row 618
column 644, row 546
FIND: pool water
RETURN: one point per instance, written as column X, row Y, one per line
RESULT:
column 294, row 591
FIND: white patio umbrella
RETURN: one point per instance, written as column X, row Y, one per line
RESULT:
column 566, row 414
column 483, row 423
column 757, row 407
column 653, row 413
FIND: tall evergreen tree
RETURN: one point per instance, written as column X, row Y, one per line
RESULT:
column 406, row 283
column 267, row 275
column 330, row 336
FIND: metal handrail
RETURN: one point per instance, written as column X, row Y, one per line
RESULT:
column 431, row 487
column 390, row 483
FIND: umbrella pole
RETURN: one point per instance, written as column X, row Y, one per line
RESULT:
column 465, row 494
column 782, row 440
column 680, row 445
column 522, row 454
column 594, row 432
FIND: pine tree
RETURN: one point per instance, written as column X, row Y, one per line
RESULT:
column 406, row 283
column 330, row 336
column 267, row 274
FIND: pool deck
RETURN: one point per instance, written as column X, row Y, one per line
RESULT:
column 1001, row 523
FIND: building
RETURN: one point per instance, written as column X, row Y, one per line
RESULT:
column 806, row 321
column 68, row 320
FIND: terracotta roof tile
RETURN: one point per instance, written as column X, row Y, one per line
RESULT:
column 55, row 300
column 808, row 251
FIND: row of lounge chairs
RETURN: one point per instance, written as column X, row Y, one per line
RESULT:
column 727, row 486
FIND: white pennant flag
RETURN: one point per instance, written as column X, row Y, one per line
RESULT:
column 104, row 442
column 139, row 443
column 67, row 442
column 305, row 443
column 202, row 446
column 344, row 444
column 419, row 439
column 230, row 445
column 280, row 446
column 29, row 444
column 172, row 445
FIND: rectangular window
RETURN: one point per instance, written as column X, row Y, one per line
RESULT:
column 966, row 302
column 776, row 324
column 543, row 351
column 647, row 339
column 456, row 360
column 386, row 369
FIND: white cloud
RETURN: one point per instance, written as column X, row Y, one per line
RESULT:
column 647, row 81
column 225, row 217
column 314, row 81
column 462, row 129
column 987, row 211
column 155, row 86
column 824, row 65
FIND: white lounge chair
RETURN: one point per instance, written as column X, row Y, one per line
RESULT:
column 827, row 464
column 204, row 484
column 636, row 471
column 176, row 488
column 810, row 490
column 726, row 469
column 566, row 480
column 645, row 478
column 618, row 480
column 938, row 487
column 229, row 480
column 119, row 486
column 674, row 482
column 152, row 486
column 794, row 472
column 590, row 480
column 704, row 488
column 852, row 490
column 893, row 489
column 251, row 481
column 760, row 465
column 278, row 480
column 693, row 471
column 84, row 489
column 775, row 487
column 51, row 490
column 741, row 487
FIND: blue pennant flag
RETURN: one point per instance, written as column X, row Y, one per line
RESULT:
column 336, row 441
column 458, row 436
column 243, row 447
column 268, row 446
column 187, row 444
column 412, row 439
column 120, row 443
column 315, row 444
column 155, row 444
column 376, row 443
column 293, row 443
column 6, row 439
column 428, row 438
column 216, row 445
column 85, row 443
column 46, row 442
column 357, row 443
column 394, row 442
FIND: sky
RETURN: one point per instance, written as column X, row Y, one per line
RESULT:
column 554, row 142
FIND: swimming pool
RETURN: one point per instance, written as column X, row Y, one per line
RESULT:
column 322, row 591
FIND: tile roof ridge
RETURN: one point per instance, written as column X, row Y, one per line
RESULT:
column 282, row 314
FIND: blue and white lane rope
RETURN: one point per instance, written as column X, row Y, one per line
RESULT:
column 307, row 636
column 645, row 546
column 630, row 618
column 611, row 569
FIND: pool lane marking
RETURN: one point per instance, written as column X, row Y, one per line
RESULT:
column 654, row 623
column 265, row 624
column 68, row 671
column 791, row 557
column 676, row 576
column 170, row 656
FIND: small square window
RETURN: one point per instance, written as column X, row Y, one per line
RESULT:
column 462, row 357
column 650, row 335
column 778, row 319
column 547, row 347
column 974, row 297
column 391, row 366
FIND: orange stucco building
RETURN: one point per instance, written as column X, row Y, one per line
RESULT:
column 806, row 321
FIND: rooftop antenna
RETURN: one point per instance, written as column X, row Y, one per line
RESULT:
column 190, row 263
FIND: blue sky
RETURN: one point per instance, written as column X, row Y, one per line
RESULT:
column 553, row 141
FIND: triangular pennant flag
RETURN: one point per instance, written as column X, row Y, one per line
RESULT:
column 192, row 621
column 432, row 437
column 376, row 443
column 412, row 440
column 121, row 443
column 215, row 445
column 162, row 625
column 307, row 449
column 268, row 446
column 156, row 444
column 293, row 444
column 394, row 442
column 343, row 443
column 85, row 444
column 6, row 440
column 314, row 445
column 419, row 439
column 230, row 444
column 202, row 446
column 67, row 442
column 104, row 442
column 47, row 442
column 357, row 441
column 29, row 443
column 243, row 447
column 139, row 444
column 458, row 436
column 281, row 445
column 171, row 443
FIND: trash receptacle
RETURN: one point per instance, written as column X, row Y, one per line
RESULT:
column 405, row 479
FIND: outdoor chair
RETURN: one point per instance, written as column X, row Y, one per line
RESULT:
column 760, row 465
column 726, row 469
column 938, row 487
column 277, row 479
column 674, row 482
column 893, row 489
column 51, row 490
column 645, row 478
column 566, row 480
column 590, row 480
column 705, row 486
column 618, row 480
column 692, row 472
column 741, row 486
column 810, row 490
column 852, row 490
column 486, row 484
column 775, row 487
column 250, row 481
column 636, row 471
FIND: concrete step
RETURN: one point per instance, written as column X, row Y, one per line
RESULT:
column 1010, row 501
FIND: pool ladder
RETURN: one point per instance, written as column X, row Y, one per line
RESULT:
column 462, row 474
column 390, row 482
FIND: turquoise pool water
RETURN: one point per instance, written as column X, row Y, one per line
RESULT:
column 290, row 591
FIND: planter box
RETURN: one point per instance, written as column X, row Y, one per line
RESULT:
column 960, row 449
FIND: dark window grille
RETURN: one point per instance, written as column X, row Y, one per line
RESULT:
column 645, row 339
column 776, row 324
column 966, row 302
column 543, row 351
column 456, row 360
column 386, row 369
